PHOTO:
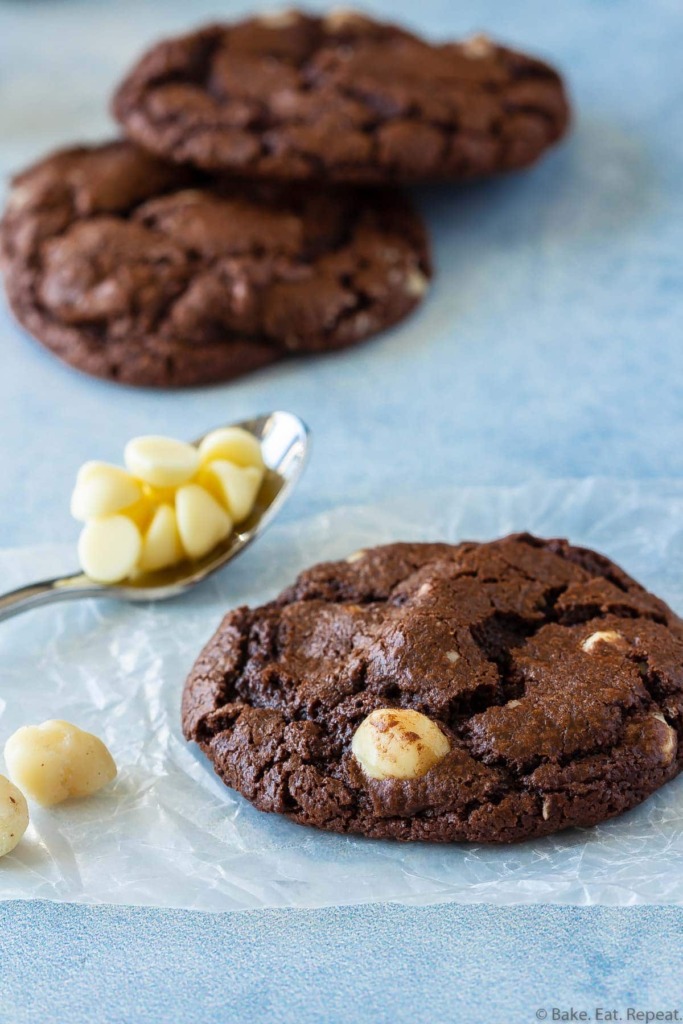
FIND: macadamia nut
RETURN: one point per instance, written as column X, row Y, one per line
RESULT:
column 396, row 743
column 13, row 816
column 57, row 760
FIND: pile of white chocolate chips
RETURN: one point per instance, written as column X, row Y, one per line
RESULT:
column 173, row 501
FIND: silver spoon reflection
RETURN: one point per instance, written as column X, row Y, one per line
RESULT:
column 284, row 441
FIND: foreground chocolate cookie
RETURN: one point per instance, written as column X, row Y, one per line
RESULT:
column 148, row 273
column 340, row 98
column 545, row 685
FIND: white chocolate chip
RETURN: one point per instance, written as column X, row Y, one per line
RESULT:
column 20, row 197
column 453, row 656
column 161, row 461
column 478, row 46
column 356, row 556
column 235, row 487
column 13, row 815
column 416, row 283
column 343, row 17
column 109, row 549
column 142, row 512
column 670, row 742
column 161, row 545
column 545, row 809
column 396, row 743
column 202, row 523
column 57, row 760
column 279, row 19
column 363, row 323
column 606, row 636
column 231, row 443
column 103, row 490
column 512, row 704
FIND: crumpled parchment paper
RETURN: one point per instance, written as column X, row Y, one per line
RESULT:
column 169, row 834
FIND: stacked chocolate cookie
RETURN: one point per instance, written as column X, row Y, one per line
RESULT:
column 252, row 211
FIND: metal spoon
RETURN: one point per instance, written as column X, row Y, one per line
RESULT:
column 284, row 440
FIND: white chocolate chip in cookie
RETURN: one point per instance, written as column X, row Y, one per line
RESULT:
column 453, row 657
column 21, row 197
column 13, row 815
column 396, row 743
column 235, row 487
column 478, row 46
column 339, row 18
column 231, row 443
column 417, row 283
column 56, row 760
column 202, row 523
column 109, row 549
column 606, row 636
column 284, row 18
column 669, row 739
column 103, row 490
column 356, row 556
column 161, row 461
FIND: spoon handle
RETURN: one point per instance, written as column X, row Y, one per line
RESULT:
column 65, row 588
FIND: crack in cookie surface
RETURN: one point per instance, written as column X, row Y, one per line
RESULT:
column 508, row 646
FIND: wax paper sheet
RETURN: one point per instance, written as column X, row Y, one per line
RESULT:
column 168, row 833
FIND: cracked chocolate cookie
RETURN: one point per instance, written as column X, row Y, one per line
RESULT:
column 149, row 273
column 340, row 98
column 483, row 692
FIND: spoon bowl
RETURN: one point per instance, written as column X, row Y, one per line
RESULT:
column 284, row 441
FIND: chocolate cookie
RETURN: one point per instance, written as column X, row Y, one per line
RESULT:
column 149, row 273
column 545, row 688
column 340, row 98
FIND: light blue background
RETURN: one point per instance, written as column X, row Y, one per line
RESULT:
column 550, row 346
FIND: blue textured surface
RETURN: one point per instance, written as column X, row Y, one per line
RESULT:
column 549, row 347
column 380, row 964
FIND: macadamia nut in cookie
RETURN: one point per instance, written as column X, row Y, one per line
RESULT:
column 396, row 743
